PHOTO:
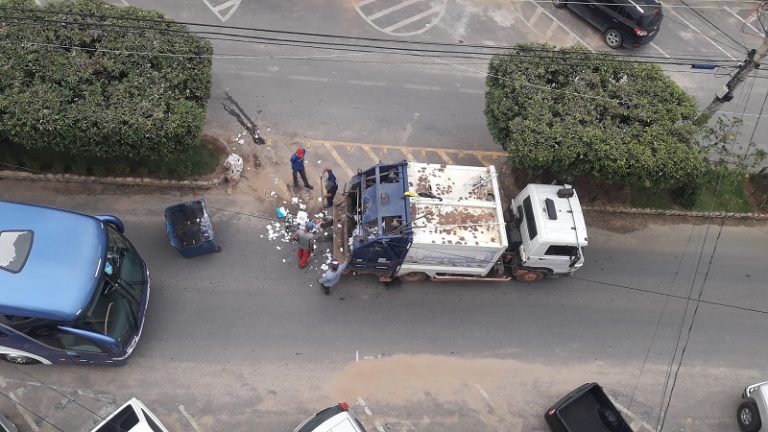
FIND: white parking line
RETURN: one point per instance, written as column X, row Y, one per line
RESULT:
column 660, row 50
column 702, row 34
column 742, row 20
column 573, row 35
column 366, row 83
column 225, row 5
column 420, row 87
column 365, row 2
column 405, row 22
column 635, row 419
column 24, row 413
column 388, row 10
column 189, row 419
column 308, row 78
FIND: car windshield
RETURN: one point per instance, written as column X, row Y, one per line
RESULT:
column 115, row 306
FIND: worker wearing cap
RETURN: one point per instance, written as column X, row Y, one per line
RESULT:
column 305, row 238
column 331, row 276
column 331, row 187
column 297, row 165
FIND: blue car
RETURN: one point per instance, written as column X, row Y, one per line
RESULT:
column 73, row 289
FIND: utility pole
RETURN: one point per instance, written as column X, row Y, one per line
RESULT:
column 754, row 57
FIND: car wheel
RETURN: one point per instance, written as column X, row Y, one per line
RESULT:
column 613, row 38
column 19, row 359
column 748, row 417
column 558, row 3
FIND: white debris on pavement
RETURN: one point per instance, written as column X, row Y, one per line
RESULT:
column 235, row 163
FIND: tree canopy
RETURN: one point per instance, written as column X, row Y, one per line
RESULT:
column 85, row 77
column 568, row 112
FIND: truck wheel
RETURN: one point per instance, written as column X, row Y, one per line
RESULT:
column 413, row 277
column 748, row 416
column 528, row 276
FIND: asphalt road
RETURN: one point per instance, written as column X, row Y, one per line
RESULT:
column 240, row 341
column 423, row 101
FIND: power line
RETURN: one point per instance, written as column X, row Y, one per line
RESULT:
column 661, row 419
column 18, row 403
column 308, row 34
column 700, row 15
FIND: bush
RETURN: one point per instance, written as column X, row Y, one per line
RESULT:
column 87, row 99
column 567, row 113
column 688, row 193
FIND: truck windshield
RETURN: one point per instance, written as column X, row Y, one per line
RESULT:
column 115, row 307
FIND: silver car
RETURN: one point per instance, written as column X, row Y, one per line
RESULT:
column 753, row 408
column 337, row 418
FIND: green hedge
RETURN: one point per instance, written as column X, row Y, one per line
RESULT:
column 80, row 87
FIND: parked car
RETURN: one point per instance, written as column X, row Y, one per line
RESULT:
column 337, row 418
column 133, row 416
column 7, row 425
column 629, row 23
column 586, row 409
column 753, row 408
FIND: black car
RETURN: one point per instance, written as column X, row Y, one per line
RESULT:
column 629, row 23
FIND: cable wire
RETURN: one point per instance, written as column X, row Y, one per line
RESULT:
column 18, row 403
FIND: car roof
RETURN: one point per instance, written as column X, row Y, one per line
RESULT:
column 341, row 422
column 61, row 270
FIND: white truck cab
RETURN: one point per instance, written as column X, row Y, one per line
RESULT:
column 754, row 408
column 552, row 228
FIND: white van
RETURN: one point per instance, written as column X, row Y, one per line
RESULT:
column 337, row 418
column 134, row 416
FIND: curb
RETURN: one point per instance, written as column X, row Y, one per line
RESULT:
column 659, row 212
column 126, row 181
column 208, row 184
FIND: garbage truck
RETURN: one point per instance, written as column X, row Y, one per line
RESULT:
column 413, row 221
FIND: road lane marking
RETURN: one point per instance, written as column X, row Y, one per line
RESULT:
column 535, row 16
column 408, row 154
column 389, row 10
column 633, row 417
column 24, row 413
column 420, row 87
column 411, row 9
column 371, row 154
column 463, row 90
column 328, row 143
column 570, row 32
column 367, row 83
column 405, row 22
column 232, row 4
column 339, row 160
column 660, row 50
column 692, row 27
column 189, row 419
column 308, row 78
column 445, row 157
column 225, row 5
column 742, row 20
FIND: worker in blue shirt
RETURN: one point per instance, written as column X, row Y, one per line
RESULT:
column 331, row 276
column 331, row 187
column 297, row 165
